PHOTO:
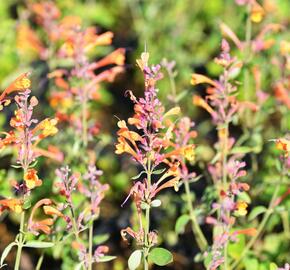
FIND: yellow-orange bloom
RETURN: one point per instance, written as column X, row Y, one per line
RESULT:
column 284, row 145
column 199, row 101
column 257, row 12
column 284, row 47
column 241, row 208
column 31, row 179
column 14, row 205
column 48, row 127
column 49, row 210
column 199, row 78
column 123, row 147
column 188, row 152
column 21, row 83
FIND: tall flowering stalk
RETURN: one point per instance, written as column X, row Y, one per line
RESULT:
column 227, row 169
column 151, row 146
column 184, row 135
column 81, row 84
column 79, row 219
column 25, row 137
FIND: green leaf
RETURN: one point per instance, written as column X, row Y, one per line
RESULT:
column 159, row 171
column 38, row 244
column 235, row 248
column 6, row 252
column 273, row 266
column 135, row 259
column 251, row 264
column 101, row 238
column 138, row 176
column 258, row 210
column 241, row 150
column 79, row 266
column 106, row 258
column 160, row 256
column 181, row 223
column 27, row 204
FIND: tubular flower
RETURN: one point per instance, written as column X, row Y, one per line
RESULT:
column 49, row 210
column 47, row 127
column 28, row 42
column 14, row 205
column 199, row 78
column 8, row 139
column 44, row 225
column 199, row 101
column 31, row 179
column 21, row 83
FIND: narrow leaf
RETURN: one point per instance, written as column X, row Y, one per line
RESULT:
column 101, row 238
column 258, row 210
column 6, row 252
column 37, row 244
column 106, row 258
column 137, row 176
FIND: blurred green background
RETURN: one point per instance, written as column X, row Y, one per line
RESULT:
column 188, row 33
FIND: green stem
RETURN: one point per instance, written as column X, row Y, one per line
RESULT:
column 224, row 177
column 91, row 233
column 260, row 228
column 200, row 238
column 39, row 263
column 20, row 242
column 146, row 247
column 84, row 122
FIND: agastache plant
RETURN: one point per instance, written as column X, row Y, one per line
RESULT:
column 227, row 168
column 184, row 136
column 80, row 218
column 150, row 142
column 27, row 133
column 84, row 78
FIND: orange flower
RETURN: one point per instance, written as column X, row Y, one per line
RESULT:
column 104, row 39
column 116, row 57
column 28, row 42
column 174, row 172
column 49, row 210
column 21, row 83
column 284, row 145
column 188, row 152
column 249, row 231
column 42, row 225
column 199, row 78
column 31, row 179
column 47, row 126
column 9, row 139
column 16, row 121
column 14, row 205
column 132, row 136
column 123, row 147
column 282, row 94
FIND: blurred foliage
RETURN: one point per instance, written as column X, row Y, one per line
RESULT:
column 187, row 32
